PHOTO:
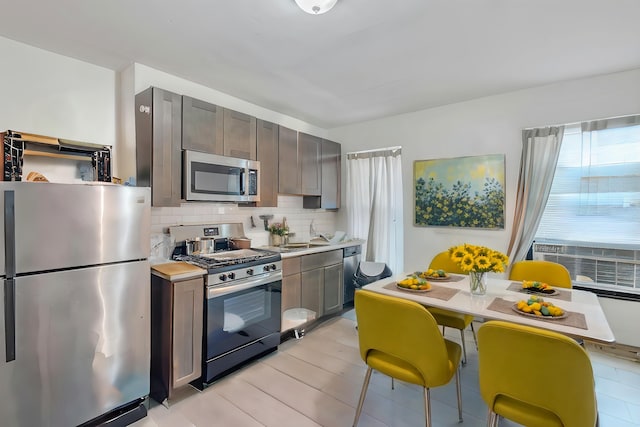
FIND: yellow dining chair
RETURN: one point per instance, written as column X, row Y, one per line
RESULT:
column 548, row 272
column 400, row 338
column 519, row 381
column 447, row 318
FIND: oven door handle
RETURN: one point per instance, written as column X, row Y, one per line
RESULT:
column 241, row 285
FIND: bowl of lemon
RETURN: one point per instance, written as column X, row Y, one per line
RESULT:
column 532, row 286
column 538, row 307
column 432, row 274
column 414, row 284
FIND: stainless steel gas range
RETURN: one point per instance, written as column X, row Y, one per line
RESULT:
column 242, row 296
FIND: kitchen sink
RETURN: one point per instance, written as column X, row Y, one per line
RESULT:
column 285, row 249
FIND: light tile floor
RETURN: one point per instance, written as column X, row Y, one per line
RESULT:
column 316, row 381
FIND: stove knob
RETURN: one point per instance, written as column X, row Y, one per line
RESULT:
column 250, row 272
column 273, row 267
column 265, row 268
column 222, row 277
column 232, row 276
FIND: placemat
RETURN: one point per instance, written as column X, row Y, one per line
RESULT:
column 562, row 295
column 453, row 278
column 573, row 319
column 438, row 292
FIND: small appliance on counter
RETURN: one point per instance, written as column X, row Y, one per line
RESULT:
column 242, row 296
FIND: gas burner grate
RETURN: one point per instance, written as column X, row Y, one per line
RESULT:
column 226, row 258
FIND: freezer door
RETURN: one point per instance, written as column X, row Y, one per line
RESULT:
column 82, row 345
column 74, row 225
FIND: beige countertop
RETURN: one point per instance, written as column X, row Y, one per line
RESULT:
column 177, row 271
column 296, row 252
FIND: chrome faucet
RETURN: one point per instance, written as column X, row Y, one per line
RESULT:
column 312, row 231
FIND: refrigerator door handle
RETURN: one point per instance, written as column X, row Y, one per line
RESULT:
column 10, row 267
column 10, row 319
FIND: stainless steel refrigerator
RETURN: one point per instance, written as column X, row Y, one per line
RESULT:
column 75, row 307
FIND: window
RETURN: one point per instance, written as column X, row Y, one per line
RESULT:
column 591, row 223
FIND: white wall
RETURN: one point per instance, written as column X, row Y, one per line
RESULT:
column 490, row 125
column 493, row 125
column 53, row 95
column 126, row 124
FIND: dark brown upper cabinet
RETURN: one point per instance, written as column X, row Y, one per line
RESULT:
column 158, row 152
column 267, row 153
column 331, row 178
column 288, row 182
column 239, row 135
column 309, row 154
column 202, row 126
column 299, row 156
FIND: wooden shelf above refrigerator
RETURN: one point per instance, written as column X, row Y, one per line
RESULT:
column 17, row 145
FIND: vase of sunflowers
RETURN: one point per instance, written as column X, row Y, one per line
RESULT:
column 478, row 261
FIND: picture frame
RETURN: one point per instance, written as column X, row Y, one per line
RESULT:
column 467, row 192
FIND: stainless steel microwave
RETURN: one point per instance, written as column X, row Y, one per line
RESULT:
column 210, row 177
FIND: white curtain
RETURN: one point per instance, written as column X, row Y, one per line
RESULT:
column 374, row 204
column 540, row 151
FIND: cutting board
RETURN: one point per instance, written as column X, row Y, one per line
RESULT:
column 177, row 270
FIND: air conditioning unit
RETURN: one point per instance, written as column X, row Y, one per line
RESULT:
column 605, row 269
column 617, row 267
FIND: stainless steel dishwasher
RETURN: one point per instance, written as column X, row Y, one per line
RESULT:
column 350, row 259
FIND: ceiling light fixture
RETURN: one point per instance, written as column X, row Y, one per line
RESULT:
column 316, row 7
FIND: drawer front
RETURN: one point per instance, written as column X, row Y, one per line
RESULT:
column 323, row 259
column 291, row 266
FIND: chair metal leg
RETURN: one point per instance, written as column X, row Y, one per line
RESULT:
column 474, row 335
column 363, row 393
column 392, row 384
column 443, row 330
column 464, row 347
column 492, row 420
column 427, row 406
column 459, row 391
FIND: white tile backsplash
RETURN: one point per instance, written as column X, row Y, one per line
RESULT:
column 290, row 207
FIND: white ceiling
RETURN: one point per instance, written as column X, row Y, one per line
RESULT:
column 362, row 60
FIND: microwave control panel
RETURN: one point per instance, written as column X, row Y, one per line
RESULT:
column 253, row 182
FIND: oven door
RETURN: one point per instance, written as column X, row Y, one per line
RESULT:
column 241, row 312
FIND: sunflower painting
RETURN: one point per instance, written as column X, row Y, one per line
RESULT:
column 460, row 192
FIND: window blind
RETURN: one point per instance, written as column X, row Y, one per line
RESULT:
column 595, row 195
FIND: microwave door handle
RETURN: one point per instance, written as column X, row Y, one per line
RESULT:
column 242, row 178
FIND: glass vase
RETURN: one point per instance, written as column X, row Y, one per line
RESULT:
column 478, row 282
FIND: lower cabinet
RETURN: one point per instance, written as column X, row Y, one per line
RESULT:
column 312, row 282
column 332, row 292
column 312, row 290
column 176, row 334
column 291, row 288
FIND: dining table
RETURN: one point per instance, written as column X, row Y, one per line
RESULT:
column 583, row 317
